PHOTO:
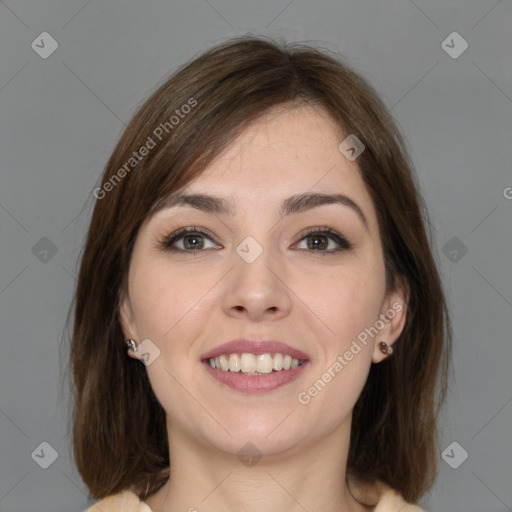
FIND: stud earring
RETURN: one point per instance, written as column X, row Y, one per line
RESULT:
column 385, row 348
column 131, row 344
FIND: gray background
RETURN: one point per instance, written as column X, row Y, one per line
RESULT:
column 60, row 119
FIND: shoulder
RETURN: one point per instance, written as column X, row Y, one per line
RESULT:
column 125, row 501
column 380, row 497
column 391, row 500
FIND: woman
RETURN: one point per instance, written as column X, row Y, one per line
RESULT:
column 259, row 321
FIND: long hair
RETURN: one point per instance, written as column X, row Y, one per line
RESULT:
column 119, row 433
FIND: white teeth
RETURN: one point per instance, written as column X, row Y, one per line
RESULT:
column 254, row 365
column 264, row 363
column 248, row 363
column 224, row 363
column 234, row 363
column 278, row 362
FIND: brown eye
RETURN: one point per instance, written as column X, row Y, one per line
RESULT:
column 324, row 241
column 193, row 241
column 188, row 240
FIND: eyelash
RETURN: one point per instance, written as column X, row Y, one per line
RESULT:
column 166, row 243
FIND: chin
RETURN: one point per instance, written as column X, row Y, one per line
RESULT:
column 266, row 432
column 249, row 444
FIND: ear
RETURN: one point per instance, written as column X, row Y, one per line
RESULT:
column 126, row 320
column 393, row 315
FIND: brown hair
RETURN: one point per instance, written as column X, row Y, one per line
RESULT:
column 119, row 433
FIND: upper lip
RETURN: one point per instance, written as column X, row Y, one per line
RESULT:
column 254, row 347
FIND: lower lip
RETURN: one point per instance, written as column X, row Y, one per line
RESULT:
column 255, row 383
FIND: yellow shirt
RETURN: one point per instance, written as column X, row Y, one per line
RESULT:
column 379, row 498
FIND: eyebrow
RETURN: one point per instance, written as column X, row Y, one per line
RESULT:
column 294, row 204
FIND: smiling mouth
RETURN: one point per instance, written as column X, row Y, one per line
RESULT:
column 252, row 364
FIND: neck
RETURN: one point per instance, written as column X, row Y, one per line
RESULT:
column 206, row 479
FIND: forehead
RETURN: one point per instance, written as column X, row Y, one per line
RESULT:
column 284, row 135
column 286, row 151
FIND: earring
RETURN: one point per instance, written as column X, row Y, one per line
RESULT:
column 385, row 348
column 131, row 344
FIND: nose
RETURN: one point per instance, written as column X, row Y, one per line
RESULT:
column 258, row 290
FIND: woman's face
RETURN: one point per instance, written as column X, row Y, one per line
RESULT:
column 275, row 265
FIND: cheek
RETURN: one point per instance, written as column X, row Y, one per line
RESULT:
column 345, row 302
column 162, row 297
column 169, row 309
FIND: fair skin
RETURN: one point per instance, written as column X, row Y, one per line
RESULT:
column 317, row 300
